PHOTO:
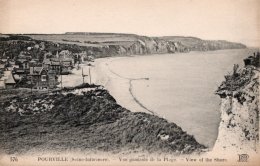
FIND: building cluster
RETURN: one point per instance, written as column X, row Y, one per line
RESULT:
column 24, row 71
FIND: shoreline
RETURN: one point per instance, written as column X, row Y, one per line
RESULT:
column 67, row 95
column 128, row 95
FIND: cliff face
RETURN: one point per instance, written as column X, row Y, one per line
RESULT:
column 145, row 45
column 112, row 44
column 239, row 126
column 197, row 44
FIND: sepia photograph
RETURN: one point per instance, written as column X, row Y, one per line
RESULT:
column 129, row 82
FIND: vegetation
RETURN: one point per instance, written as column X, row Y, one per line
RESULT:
column 93, row 120
column 104, row 44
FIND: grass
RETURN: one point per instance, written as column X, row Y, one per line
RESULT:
column 84, row 39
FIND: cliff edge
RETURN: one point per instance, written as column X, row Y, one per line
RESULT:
column 239, row 126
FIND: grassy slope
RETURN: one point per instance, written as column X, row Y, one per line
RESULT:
column 120, row 39
column 99, row 38
column 92, row 121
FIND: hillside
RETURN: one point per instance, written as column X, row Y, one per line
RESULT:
column 197, row 44
column 107, row 44
column 85, row 118
column 151, row 43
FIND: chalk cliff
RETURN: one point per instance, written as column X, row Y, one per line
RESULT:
column 106, row 44
column 239, row 126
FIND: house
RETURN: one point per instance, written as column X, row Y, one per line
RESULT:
column 52, row 79
column 67, row 64
column 7, row 80
column 33, row 62
column 25, row 55
column 21, row 69
column 64, row 54
column 4, row 59
column 19, row 73
column 23, row 64
column 2, row 67
column 52, row 64
column 42, row 78
column 80, row 57
column 60, row 66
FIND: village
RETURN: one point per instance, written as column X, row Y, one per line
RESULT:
column 25, row 71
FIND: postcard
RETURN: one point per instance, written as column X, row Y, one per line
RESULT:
column 130, row 82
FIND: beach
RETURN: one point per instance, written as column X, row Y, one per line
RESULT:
column 178, row 87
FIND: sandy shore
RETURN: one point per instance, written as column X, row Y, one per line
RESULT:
column 101, row 74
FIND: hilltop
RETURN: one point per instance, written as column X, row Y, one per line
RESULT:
column 113, row 44
column 181, row 43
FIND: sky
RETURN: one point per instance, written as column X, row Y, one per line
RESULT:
column 232, row 20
